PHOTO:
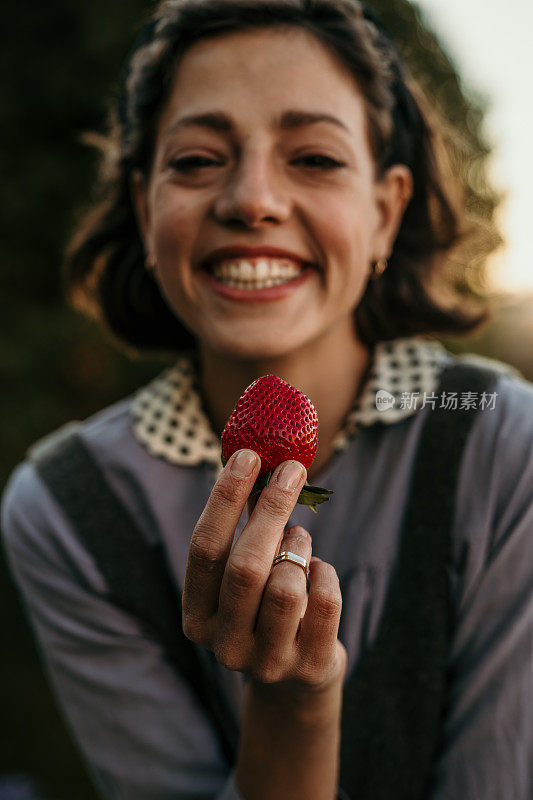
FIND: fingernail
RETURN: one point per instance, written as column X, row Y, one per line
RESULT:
column 243, row 463
column 290, row 475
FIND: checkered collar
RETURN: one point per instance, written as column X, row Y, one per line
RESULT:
column 170, row 422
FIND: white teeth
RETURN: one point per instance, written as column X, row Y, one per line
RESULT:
column 245, row 269
column 262, row 267
column 259, row 273
column 252, row 285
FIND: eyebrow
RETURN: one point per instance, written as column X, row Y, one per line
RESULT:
column 297, row 119
column 221, row 123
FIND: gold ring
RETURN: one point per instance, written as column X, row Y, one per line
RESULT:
column 294, row 559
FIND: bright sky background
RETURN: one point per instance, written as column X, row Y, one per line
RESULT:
column 491, row 44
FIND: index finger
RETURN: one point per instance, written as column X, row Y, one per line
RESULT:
column 212, row 539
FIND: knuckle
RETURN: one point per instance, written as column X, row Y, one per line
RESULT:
column 243, row 574
column 284, row 598
column 205, row 553
column 328, row 604
column 313, row 671
column 322, row 666
column 276, row 504
column 226, row 656
column 329, row 574
column 267, row 671
column 228, row 491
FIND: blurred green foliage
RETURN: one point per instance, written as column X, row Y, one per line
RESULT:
column 59, row 63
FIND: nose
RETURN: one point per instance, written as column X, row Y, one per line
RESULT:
column 253, row 196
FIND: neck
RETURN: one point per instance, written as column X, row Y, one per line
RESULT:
column 328, row 371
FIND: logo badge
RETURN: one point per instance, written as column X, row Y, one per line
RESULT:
column 384, row 400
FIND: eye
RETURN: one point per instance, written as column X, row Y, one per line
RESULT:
column 192, row 163
column 318, row 161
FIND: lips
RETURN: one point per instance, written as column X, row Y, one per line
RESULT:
column 241, row 251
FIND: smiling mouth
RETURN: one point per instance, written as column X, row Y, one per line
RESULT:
column 255, row 273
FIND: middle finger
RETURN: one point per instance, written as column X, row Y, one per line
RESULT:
column 250, row 561
column 283, row 605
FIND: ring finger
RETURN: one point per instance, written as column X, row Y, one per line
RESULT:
column 284, row 602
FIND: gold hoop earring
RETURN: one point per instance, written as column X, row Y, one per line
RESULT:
column 379, row 268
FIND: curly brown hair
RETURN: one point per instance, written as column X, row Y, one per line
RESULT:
column 422, row 291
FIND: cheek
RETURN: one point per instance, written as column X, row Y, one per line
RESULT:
column 344, row 230
column 173, row 224
column 174, row 230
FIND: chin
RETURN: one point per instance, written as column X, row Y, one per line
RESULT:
column 250, row 348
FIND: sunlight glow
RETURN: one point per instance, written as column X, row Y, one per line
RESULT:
column 492, row 50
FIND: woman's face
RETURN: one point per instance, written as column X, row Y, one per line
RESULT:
column 262, row 210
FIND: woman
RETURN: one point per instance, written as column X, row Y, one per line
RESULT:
column 277, row 206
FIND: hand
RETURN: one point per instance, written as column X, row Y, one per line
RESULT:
column 257, row 619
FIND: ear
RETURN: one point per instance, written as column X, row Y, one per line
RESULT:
column 393, row 193
column 139, row 197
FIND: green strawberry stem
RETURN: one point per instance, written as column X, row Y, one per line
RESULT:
column 310, row 496
column 313, row 496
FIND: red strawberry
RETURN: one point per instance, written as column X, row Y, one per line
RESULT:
column 279, row 422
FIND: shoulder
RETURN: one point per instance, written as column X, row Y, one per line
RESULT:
column 153, row 491
column 505, row 409
column 508, row 429
column 494, row 502
column 42, row 550
column 514, row 417
column 31, row 518
column 500, row 445
column 504, row 423
column 109, row 428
